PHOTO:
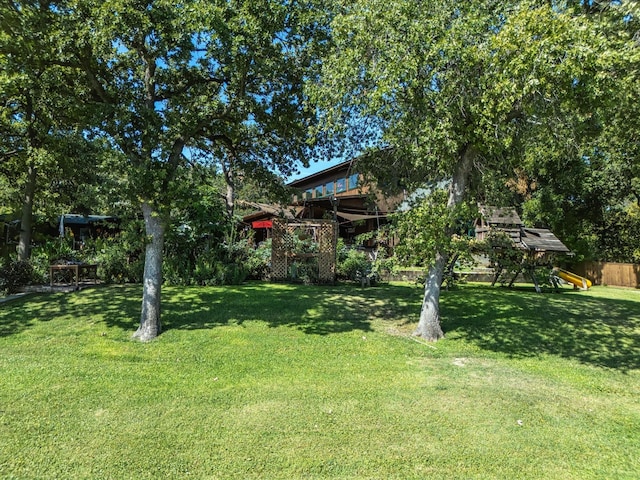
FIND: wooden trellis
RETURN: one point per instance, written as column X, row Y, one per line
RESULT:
column 283, row 255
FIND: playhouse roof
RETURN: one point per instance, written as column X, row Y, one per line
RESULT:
column 542, row 240
column 498, row 216
column 507, row 220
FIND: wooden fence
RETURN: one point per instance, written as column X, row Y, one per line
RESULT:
column 608, row 273
column 600, row 273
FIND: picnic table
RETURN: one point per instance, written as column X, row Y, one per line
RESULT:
column 78, row 269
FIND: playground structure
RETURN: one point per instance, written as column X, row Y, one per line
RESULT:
column 577, row 281
column 539, row 245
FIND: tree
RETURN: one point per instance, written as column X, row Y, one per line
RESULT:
column 589, row 196
column 171, row 79
column 455, row 90
column 40, row 126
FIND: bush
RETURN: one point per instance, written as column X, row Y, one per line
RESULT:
column 119, row 261
column 119, row 258
column 207, row 267
column 355, row 266
column 15, row 274
column 210, row 272
column 258, row 263
column 305, row 271
column 51, row 252
column 230, row 274
column 342, row 251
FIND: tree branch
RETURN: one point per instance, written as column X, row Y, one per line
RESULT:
column 516, row 112
column 193, row 81
column 96, row 86
column 173, row 161
column 9, row 154
column 226, row 141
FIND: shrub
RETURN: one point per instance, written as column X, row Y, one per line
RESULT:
column 119, row 261
column 258, row 263
column 230, row 274
column 305, row 271
column 49, row 253
column 355, row 266
column 342, row 251
column 15, row 274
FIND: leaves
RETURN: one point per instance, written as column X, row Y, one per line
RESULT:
column 542, row 91
column 431, row 226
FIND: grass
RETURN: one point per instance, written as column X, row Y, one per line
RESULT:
column 279, row 381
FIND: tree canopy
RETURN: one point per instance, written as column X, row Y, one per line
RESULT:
column 590, row 198
column 44, row 154
column 467, row 92
column 173, row 80
column 527, row 100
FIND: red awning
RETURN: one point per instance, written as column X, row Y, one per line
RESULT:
column 262, row 224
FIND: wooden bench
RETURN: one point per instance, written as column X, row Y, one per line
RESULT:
column 79, row 270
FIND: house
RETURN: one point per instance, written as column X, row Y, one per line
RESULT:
column 504, row 219
column 81, row 228
column 78, row 228
column 338, row 193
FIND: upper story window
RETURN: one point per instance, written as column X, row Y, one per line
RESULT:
column 308, row 194
column 353, row 181
column 318, row 191
column 328, row 188
column 341, row 185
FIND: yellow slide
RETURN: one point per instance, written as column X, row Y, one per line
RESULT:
column 578, row 281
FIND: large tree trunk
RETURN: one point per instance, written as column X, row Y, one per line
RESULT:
column 429, row 323
column 150, row 325
column 230, row 199
column 228, row 170
column 26, row 221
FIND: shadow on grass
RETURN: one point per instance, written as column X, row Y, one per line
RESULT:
column 520, row 323
column 311, row 309
column 116, row 305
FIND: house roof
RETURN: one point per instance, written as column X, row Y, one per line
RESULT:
column 508, row 221
column 346, row 165
column 77, row 219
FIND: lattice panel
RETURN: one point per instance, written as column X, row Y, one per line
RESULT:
column 279, row 267
column 324, row 232
column 327, row 252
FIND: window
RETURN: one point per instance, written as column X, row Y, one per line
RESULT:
column 85, row 234
column 318, row 191
column 353, row 181
column 341, row 185
column 308, row 195
column 328, row 189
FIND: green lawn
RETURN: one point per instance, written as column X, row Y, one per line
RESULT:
column 279, row 381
